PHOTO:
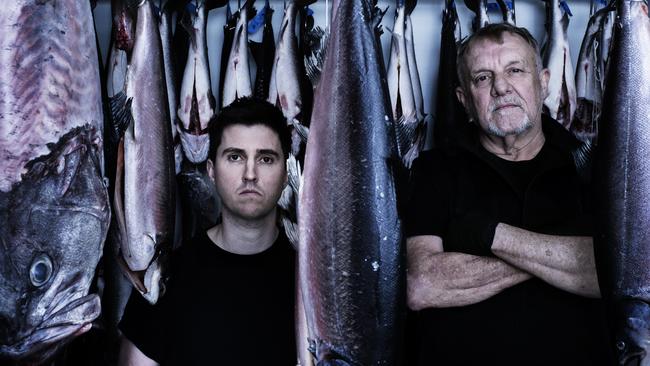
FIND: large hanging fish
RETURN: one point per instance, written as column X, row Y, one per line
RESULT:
column 54, row 211
column 350, row 255
column 450, row 115
column 589, row 81
column 410, row 128
column 145, row 185
column 237, row 77
column 196, row 105
column 623, row 244
column 560, row 103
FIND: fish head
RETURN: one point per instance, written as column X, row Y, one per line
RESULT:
column 54, row 225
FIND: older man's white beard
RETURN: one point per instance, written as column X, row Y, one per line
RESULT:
column 524, row 126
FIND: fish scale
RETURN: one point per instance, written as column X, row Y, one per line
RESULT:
column 622, row 244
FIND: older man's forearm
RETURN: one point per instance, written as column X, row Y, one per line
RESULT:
column 566, row 262
column 445, row 279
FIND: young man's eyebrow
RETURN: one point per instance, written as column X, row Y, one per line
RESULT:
column 231, row 150
column 268, row 152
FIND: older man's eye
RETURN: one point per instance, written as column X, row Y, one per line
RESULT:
column 481, row 80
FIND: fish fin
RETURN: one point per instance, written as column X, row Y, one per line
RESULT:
column 121, row 116
column 289, row 200
column 582, row 158
column 118, row 194
column 302, row 130
column 318, row 38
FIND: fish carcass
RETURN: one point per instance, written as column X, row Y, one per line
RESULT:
column 285, row 88
column 589, row 79
column 410, row 128
column 450, row 115
column 237, row 77
column 508, row 11
column 54, row 211
column 145, row 186
column 264, row 53
column 165, row 27
column 480, row 8
column 350, row 256
column 622, row 245
column 197, row 103
column 560, row 103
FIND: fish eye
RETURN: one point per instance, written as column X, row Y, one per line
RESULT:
column 41, row 270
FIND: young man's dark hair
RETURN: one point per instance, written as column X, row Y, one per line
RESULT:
column 249, row 112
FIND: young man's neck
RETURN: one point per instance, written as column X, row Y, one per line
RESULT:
column 245, row 237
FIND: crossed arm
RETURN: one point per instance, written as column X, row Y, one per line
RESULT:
column 444, row 279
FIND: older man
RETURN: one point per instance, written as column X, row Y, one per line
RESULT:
column 230, row 299
column 501, row 264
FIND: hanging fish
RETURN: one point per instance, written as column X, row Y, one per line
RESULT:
column 237, row 77
column 197, row 104
column 507, row 8
column 145, row 185
column 413, row 67
column 588, row 85
column 264, row 53
column 480, row 8
column 54, row 211
column 285, row 88
column 450, row 115
column 350, row 255
column 560, row 103
column 228, row 38
column 622, row 245
column 410, row 130
column 171, row 77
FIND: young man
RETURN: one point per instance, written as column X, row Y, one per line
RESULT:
column 500, row 254
column 230, row 298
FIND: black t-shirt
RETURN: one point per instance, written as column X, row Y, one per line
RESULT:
column 532, row 323
column 220, row 308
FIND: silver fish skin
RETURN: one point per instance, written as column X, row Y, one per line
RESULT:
column 165, row 27
column 237, row 78
column 622, row 243
column 54, row 225
column 413, row 69
column 147, row 219
column 284, row 89
column 197, row 103
column 409, row 128
column 56, row 88
column 350, row 257
column 560, row 103
column 588, row 86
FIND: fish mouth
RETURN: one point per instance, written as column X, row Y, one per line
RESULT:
column 72, row 320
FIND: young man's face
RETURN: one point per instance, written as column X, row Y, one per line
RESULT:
column 504, row 90
column 249, row 171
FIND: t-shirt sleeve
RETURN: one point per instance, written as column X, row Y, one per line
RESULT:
column 142, row 324
column 427, row 211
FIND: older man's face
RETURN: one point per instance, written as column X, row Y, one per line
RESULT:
column 503, row 89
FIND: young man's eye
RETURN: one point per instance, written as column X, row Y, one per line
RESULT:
column 234, row 157
column 267, row 159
